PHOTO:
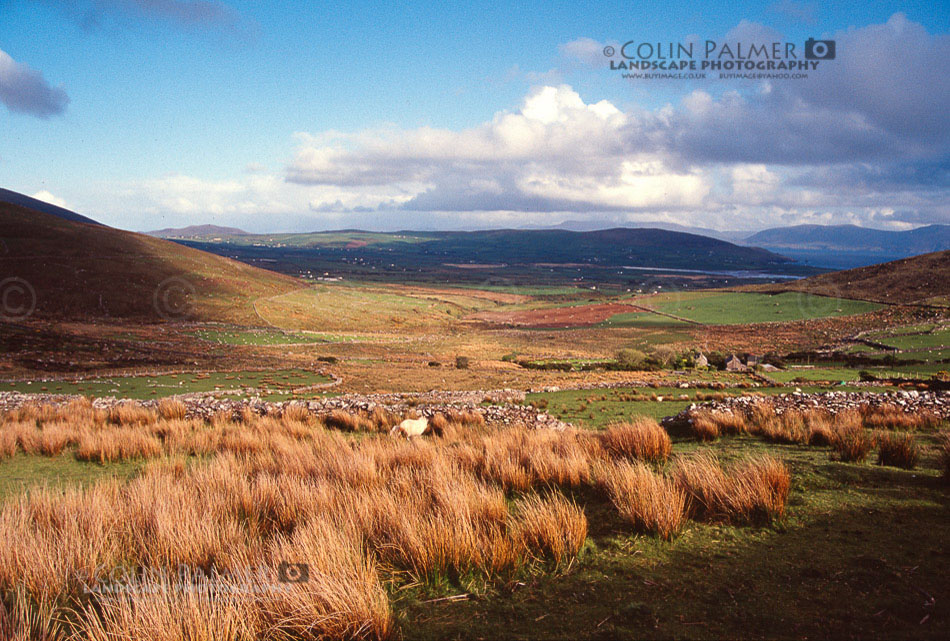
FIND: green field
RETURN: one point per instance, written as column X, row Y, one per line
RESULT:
column 596, row 408
column 146, row 387
column 736, row 308
column 922, row 341
column 24, row 471
column 643, row 320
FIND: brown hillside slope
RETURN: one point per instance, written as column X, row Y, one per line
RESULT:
column 923, row 279
column 79, row 270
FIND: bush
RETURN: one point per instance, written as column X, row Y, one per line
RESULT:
column 897, row 450
column 328, row 359
column 630, row 358
column 461, row 362
column 434, row 364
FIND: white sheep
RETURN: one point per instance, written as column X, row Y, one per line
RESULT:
column 411, row 427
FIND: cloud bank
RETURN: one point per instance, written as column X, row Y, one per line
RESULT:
column 865, row 139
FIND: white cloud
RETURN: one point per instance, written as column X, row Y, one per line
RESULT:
column 47, row 197
column 555, row 152
column 863, row 139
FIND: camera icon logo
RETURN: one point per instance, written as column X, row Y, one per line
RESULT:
column 293, row 572
column 819, row 49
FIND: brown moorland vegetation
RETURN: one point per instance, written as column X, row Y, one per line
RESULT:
column 272, row 492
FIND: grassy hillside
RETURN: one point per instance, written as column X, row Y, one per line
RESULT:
column 917, row 280
column 79, row 270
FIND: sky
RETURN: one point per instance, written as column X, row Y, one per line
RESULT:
column 288, row 116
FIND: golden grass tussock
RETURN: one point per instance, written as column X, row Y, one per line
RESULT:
column 650, row 502
column 845, row 431
column 850, row 443
column 347, row 422
column 130, row 413
column 551, row 525
column 705, row 426
column 897, row 449
column 642, row 439
column 753, row 491
column 943, row 454
column 172, row 409
column 893, row 417
column 117, row 444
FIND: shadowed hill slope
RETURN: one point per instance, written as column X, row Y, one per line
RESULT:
column 74, row 270
column 22, row 200
column 921, row 279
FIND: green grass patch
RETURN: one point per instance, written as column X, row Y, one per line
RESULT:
column 146, row 387
column 24, row 471
column 737, row 308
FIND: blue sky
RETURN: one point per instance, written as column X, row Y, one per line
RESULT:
column 297, row 116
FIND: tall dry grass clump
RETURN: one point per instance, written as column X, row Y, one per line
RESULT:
column 897, row 450
column 117, row 444
column 129, row 413
column 893, row 417
column 172, row 409
column 551, row 525
column 705, row 426
column 642, row 439
column 650, row 502
column 943, row 454
column 850, row 443
column 754, row 491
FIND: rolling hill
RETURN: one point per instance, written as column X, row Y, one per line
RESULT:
column 921, row 279
column 15, row 198
column 849, row 245
column 197, row 231
column 66, row 268
column 608, row 248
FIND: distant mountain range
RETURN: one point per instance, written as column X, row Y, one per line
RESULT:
column 830, row 246
column 197, row 232
column 840, row 246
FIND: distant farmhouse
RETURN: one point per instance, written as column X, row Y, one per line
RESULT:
column 701, row 361
column 735, row 365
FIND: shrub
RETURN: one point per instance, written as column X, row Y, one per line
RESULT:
column 461, row 362
column 630, row 358
column 897, row 450
column 643, row 439
column 648, row 501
